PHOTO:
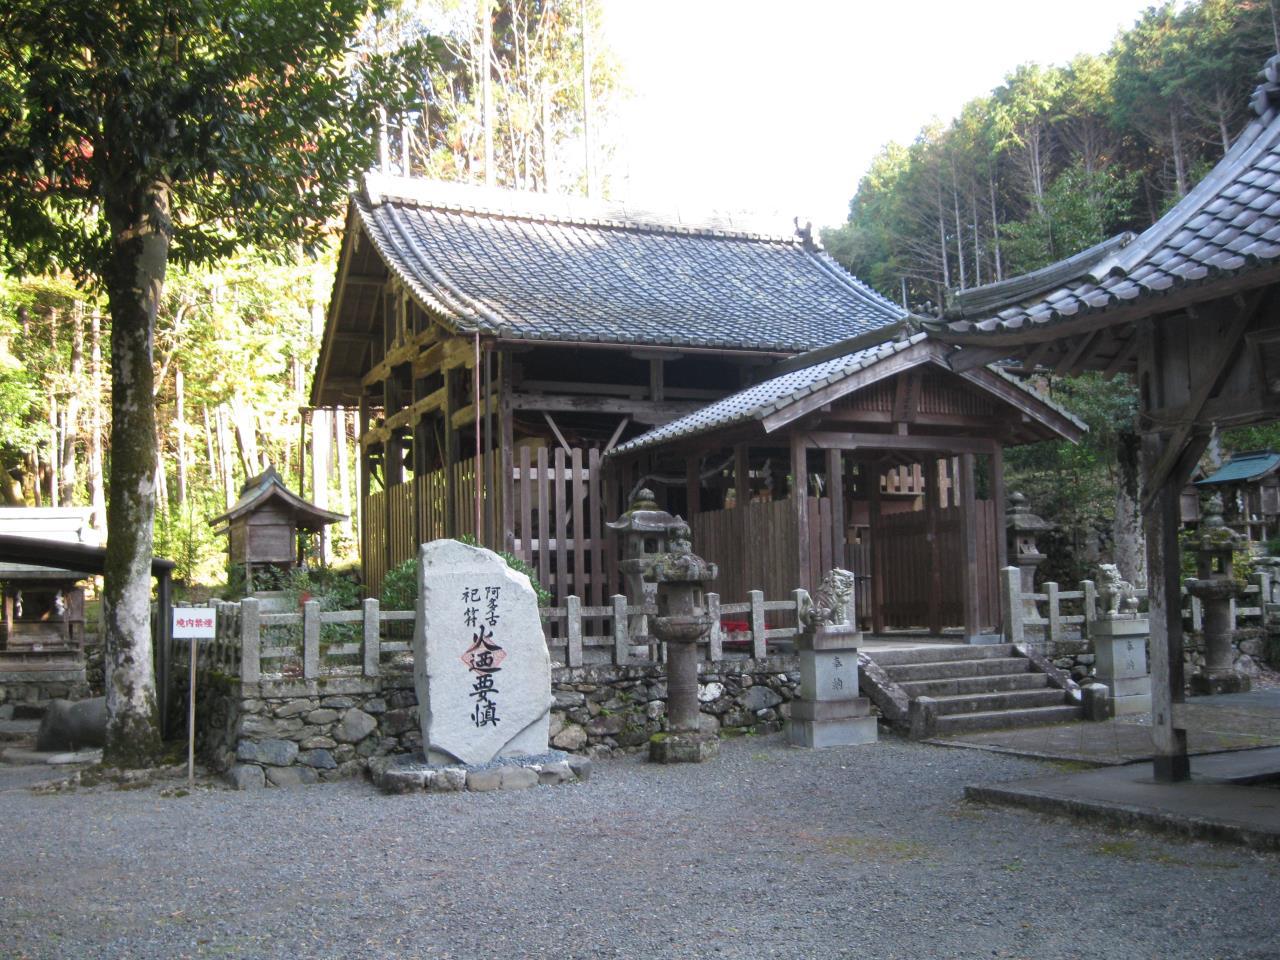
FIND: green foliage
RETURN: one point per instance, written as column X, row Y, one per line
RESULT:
column 184, row 536
column 1057, row 158
column 400, row 584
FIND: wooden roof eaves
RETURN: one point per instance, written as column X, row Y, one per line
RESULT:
column 334, row 309
column 270, row 490
column 1087, row 321
column 1066, row 427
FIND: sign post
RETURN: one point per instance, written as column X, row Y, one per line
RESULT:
column 193, row 624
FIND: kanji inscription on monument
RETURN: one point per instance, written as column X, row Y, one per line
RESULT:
column 481, row 667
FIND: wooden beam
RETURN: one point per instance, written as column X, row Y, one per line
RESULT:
column 1001, row 519
column 450, row 453
column 506, row 434
column 1204, row 385
column 410, row 414
column 800, row 506
column 970, row 358
column 693, row 485
column 969, row 546
column 931, row 506
column 613, row 440
column 887, row 441
column 642, row 411
column 1025, row 403
column 1123, row 356
column 741, row 474
column 1035, row 356
column 1075, row 351
column 871, row 471
column 655, row 380
column 835, row 490
column 564, row 444
column 918, row 419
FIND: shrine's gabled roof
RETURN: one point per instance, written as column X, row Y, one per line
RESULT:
column 1243, row 467
column 1229, row 224
column 757, row 402
column 527, row 266
column 268, row 485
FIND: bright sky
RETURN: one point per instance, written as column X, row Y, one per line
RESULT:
column 780, row 105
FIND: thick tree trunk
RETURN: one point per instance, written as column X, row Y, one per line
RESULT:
column 135, row 280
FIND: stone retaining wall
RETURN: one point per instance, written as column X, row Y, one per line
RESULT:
column 283, row 732
column 19, row 687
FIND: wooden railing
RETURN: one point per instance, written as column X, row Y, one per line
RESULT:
column 254, row 646
column 1052, row 614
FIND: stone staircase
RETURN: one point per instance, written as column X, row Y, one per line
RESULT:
column 941, row 690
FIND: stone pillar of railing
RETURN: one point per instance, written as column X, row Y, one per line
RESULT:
column 829, row 712
column 1119, row 639
column 1011, row 605
column 250, row 641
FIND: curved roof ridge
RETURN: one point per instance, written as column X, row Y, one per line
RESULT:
column 378, row 188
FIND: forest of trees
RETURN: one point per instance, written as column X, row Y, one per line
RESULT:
column 1054, row 160
column 236, row 340
column 1058, row 158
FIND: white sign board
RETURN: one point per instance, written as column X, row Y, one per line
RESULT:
column 194, row 623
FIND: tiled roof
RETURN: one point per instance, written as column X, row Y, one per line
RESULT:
column 537, row 267
column 1243, row 467
column 1228, row 224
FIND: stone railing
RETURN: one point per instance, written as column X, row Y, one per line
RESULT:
column 253, row 646
column 1052, row 615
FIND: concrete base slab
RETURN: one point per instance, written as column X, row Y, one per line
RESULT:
column 1204, row 808
column 683, row 747
column 819, row 734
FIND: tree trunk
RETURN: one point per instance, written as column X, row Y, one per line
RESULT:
column 995, row 228
column 320, row 434
column 55, row 448
column 139, row 219
column 180, row 428
column 97, row 489
column 71, row 411
column 1130, row 539
column 1179, row 163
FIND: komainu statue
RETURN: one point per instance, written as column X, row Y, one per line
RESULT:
column 830, row 602
column 1115, row 594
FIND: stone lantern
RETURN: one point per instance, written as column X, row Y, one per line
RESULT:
column 1024, row 529
column 645, row 530
column 680, row 576
column 1216, row 587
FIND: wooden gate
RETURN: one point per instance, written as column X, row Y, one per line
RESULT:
column 916, row 591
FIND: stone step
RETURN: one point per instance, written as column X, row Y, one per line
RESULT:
column 958, row 668
column 939, row 652
column 955, row 686
column 1008, row 700
column 998, row 719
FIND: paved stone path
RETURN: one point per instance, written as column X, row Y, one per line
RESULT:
column 865, row 851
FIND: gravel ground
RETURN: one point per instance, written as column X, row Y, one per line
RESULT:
column 767, row 852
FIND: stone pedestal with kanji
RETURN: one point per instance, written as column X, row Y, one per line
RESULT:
column 1120, row 651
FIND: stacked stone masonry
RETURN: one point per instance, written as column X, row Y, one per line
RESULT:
column 282, row 733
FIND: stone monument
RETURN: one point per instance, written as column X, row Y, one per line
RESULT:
column 1119, row 639
column 829, row 712
column 480, row 663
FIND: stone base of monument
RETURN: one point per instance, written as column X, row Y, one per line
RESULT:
column 411, row 774
column 829, row 712
column 1120, row 655
column 1207, row 684
column 831, row 723
column 683, row 747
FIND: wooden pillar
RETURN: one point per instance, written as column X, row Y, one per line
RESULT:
column 835, row 490
column 872, row 473
column 800, row 504
column 931, row 493
column 693, row 485
column 999, row 502
column 969, row 546
column 450, row 453
column 506, row 467
column 1161, row 522
column 362, row 488
column 741, row 474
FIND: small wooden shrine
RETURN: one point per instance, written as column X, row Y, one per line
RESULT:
column 265, row 528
